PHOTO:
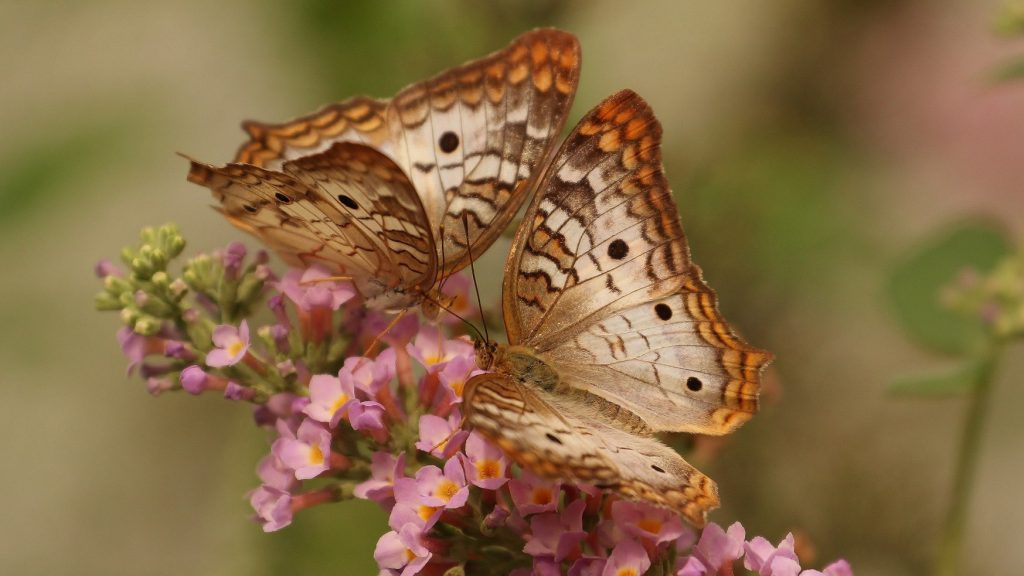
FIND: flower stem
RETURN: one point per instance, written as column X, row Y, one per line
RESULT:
column 951, row 546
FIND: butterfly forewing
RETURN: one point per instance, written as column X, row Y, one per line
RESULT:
column 359, row 119
column 561, row 436
column 601, row 283
column 473, row 139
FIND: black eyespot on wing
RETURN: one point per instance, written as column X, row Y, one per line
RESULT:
column 664, row 311
column 553, row 438
column 348, row 202
column 694, row 384
column 282, row 198
column 657, row 468
column 250, row 208
column 448, row 142
column 618, row 249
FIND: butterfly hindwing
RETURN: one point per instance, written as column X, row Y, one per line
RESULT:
column 563, row 436
column 600, row 281
column 348, row 207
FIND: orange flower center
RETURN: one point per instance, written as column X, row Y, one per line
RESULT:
column 541, row 496
column 235, row 348
column 629, row 571
column 488, row 469
column 316, row 455
column 446, row 490
column 426, row 512
column 342, row 398
column 651, row 525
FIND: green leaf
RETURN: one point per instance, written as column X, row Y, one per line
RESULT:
column 950, row 383
column 915, row 285
column 1013, row 70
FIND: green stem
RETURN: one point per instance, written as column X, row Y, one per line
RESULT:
column 951, row 547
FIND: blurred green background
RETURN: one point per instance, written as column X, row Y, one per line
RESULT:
column 813, row 147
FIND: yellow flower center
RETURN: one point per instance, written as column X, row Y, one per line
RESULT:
column 652, row 525
column 446, row 490
column 458, row 386
column 235, row 348
column 342, row 398
column 628, row 571
column 541, row 496
column 487, row 469
column 409, row 555
column 316, row 456
column 426, row 512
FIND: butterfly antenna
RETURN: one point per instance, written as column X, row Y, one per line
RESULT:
column 449, row 310
column 472, row 270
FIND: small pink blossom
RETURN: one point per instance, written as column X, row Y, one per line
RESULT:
column 273, row 507
column 193, row 380
column 627, row 559
column 457, row 288
column 433, row 351
column 409, row 507
column 557, row 535
column 307, row 451
column 767, row 560
column 309, row 290
column 231, row 345
column 441, row 437
column 384, row 469
column 369, row 417
column 533, row 495
column 446, row 489
column 644, row 521
column 715, row 548
column 486, row 465
column 276, row 474
column 157, row 386
column 329, row 398
column 402, row 552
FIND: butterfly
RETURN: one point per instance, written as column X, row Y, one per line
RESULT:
column 399, row 194
column 613, row 334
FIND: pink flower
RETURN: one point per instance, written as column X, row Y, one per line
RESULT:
column 157, row 386
column 557, row 535
column 373, row 324
column 232, row 257
column 275, row 474
column 367, row 416
column 231, row 345
column 329, row 398
column 838, row 568
column 193, row 380
column 588, row 566
column 309, row 290
column 364, row 374
column 433, row 351
column 644, row 521
column 409, row 507
column 485, row 464
column 235, row 391
column 628, row 559
column 273, row 507
column 453, row 377
column 384, row 469
column 715, row 548
column 446, row 489
column 106, row 268
column 402, row 552
column 134, row 346
column 440, row 437
column 768, row 560
column 533, row 495
column 307, row 451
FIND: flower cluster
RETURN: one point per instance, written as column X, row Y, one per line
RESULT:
column 997, row 299
column 359, row 404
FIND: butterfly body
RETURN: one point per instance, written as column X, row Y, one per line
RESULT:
column 613, row 334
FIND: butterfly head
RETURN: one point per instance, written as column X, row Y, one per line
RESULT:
column 486, row 353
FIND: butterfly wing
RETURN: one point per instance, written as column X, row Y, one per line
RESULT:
column 349, row 208
column 474, row 138
column 600, row 283
column 359, row 119
column 560, row 436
